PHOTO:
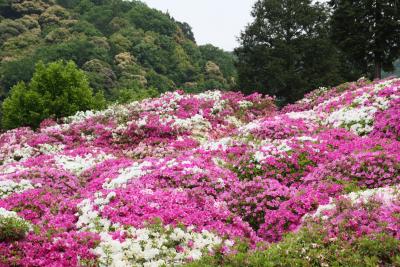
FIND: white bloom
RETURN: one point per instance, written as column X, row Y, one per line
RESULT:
column 222, row 143
column 354, row 119
column 149, row 248
column 310, row 115
column 245, row 104
column 8, row 187
column 197, row 124
column 233, row 120
column 77, row 165
column 307, row 138
column 259, row 156
column 229, row 243
column 127, row 174
column 195, row 254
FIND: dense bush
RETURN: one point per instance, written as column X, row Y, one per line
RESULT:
column 56, row 90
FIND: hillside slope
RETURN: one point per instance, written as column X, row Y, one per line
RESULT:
column 120, row 44
column 167, row 180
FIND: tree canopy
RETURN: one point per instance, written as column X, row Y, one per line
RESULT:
column 56, row 90
column 286, row 50
column 368, row 32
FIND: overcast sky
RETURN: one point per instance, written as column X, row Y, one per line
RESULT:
column 218, row 22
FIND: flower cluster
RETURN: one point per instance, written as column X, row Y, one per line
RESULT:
column 359, row 214
column 387, row 122
column 165, row 181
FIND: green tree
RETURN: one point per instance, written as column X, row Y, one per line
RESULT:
column 7, row 11
column 57, row 90
column 100, row 75
column 186, row 30
column 151, row 20
column 15, row 71
column 162, row 83
column 286, row 50
column 368, row 32
column 225, row 60
column 79, row 50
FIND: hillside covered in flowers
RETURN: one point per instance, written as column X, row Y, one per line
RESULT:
column 192, row 179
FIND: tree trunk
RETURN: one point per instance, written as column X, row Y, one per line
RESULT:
column 378, row 70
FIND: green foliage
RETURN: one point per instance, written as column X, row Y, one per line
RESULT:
column 78, row 50
column 85, row 28
column 12, row 229
column 225, row 60
column 162, row 83
column 15, row 71
column 186, row 30
column 10, row 28
column 286, row 51
column 57, row 90
column 95, row 33
column 125, row 95
column 100, row 75
column 151, row 20
column 310, row 248
column 368, row 33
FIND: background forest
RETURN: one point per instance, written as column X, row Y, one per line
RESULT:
column 124, row 47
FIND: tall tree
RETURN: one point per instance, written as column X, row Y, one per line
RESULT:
column 286, row 51
column 368, row 32
column 57, row 90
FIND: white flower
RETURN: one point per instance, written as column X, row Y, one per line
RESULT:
column 357, row 119
column 78, row 164
column 8, row 187
column 259, row 156
column 310, row 115
column 195, row 254
column 222, row 144
column 245, row 104
column 229, row 243
column 307, row 138
column 127, row 174
column 145, row 247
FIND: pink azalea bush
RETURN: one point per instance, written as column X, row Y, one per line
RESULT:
column 387, row 122
column 170, row 180
column 349, row 219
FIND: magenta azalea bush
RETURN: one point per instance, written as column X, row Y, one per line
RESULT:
column 167, row 181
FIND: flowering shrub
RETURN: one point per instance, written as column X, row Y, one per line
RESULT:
column 387, row 122
column 365, row 170
column 183, row 177
column 11, row 226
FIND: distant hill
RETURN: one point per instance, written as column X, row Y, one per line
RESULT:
column 119, row 44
